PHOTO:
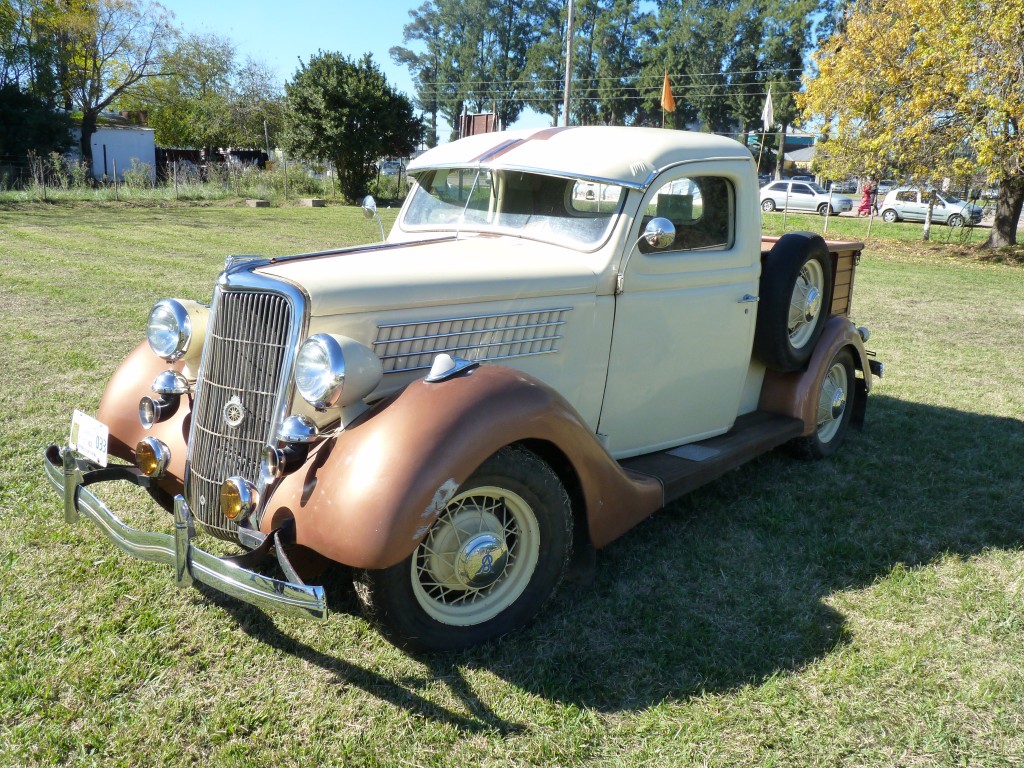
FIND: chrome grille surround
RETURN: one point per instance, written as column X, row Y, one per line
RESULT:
column 243, row 390
column 412, row 346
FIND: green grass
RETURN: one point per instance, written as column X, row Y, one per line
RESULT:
column 863, row 611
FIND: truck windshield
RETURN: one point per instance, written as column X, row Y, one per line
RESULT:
column 570, row 212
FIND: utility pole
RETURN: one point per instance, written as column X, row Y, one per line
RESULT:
column 568, row 64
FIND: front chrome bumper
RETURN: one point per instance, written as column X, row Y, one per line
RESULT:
column 190, row 563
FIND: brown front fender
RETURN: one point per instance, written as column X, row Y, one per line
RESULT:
column 119, row 410
column 367, row 497
column 796, row 394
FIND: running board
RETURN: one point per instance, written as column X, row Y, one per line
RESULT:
column 686, row 468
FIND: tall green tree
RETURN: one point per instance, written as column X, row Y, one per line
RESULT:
column 345, row 111
column 105, row 47
column 425, row 66
column 915, row 83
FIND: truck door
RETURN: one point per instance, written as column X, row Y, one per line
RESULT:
column 682, row 332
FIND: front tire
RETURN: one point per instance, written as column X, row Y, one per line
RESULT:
column 825, row 210
column 492, row 559
column 889, row 216
column 835, row 406
column 956, row 220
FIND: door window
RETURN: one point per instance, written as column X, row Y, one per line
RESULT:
column 701, row 208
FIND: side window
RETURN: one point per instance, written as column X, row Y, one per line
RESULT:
column 701, row 208
column 907, row 196
column 779, row 186
column 800, row 189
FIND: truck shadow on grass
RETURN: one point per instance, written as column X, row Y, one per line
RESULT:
column 728, row 587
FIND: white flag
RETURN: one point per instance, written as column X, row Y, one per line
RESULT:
column 768, row 114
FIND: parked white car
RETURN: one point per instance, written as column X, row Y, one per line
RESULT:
column 802, row 196
column 911, row 204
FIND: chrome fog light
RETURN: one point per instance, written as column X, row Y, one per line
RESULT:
column 152, row 457
column 275, row 462
column 155, row 409
column 238, row 498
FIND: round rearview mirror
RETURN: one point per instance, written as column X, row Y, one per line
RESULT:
column 659, row 233
column 369, row 206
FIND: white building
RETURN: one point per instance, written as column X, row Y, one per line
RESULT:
column 117, row 146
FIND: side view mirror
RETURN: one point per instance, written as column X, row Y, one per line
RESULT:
column 659, row 233
column 369, row 206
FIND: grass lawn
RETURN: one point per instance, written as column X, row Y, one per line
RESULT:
column 863, row 611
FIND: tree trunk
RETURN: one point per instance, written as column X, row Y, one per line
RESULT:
column 928, row 220
column 1008, row 208
column 88, row 129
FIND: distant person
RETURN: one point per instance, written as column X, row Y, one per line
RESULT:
column 864, row 209
column 874, row 196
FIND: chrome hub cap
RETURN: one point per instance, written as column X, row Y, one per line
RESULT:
column 831, row 402
column 481, row 560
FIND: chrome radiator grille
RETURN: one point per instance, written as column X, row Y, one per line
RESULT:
column 412, row 346
column 236, row 399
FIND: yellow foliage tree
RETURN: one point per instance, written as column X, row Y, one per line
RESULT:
column 930, row 87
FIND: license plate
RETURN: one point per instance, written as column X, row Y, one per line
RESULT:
column 89, row 438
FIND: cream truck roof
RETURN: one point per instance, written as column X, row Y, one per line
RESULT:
column 627, row 156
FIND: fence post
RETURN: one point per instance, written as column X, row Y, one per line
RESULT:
column 174, row 171
column 116, row 198
column 285, row 178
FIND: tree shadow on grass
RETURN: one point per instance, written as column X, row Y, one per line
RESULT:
column 728, row 587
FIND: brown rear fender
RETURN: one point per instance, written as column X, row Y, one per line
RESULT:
column 367, row 497
column 796, row 394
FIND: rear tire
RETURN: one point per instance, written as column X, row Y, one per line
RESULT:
column 835, row 406
column 492, row 559
column 889, row 216
column 768, row 205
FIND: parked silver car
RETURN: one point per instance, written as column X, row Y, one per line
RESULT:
column 802, row 196
column 911, row 204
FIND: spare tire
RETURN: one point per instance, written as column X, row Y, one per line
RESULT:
column 796, row 293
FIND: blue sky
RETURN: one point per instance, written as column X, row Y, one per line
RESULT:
column 279, row 34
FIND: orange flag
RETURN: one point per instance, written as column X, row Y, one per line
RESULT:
column 668, row 102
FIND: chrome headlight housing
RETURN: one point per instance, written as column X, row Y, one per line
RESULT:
column 320, row 371
column 169, row 329
column 333, row 370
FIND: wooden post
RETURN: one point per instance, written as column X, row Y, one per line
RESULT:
column 174, row 171
column 116, row 198
column 285, row 177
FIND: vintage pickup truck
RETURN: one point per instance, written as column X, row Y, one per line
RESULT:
column 565, row 330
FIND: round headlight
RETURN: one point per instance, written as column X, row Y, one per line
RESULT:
column 320, row 371
column 169, row 329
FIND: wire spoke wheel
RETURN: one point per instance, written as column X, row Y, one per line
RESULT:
column 478, row 557
column 494, row 555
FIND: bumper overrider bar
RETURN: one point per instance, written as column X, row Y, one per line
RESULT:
column 70, row 475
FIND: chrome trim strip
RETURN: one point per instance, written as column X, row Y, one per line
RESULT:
column 470, row 333
column 440, row 350
column 478, row 360
column 176, row 550
column 471, row 317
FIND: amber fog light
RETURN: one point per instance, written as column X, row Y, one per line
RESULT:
column 152, row 457
column 238, row 498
